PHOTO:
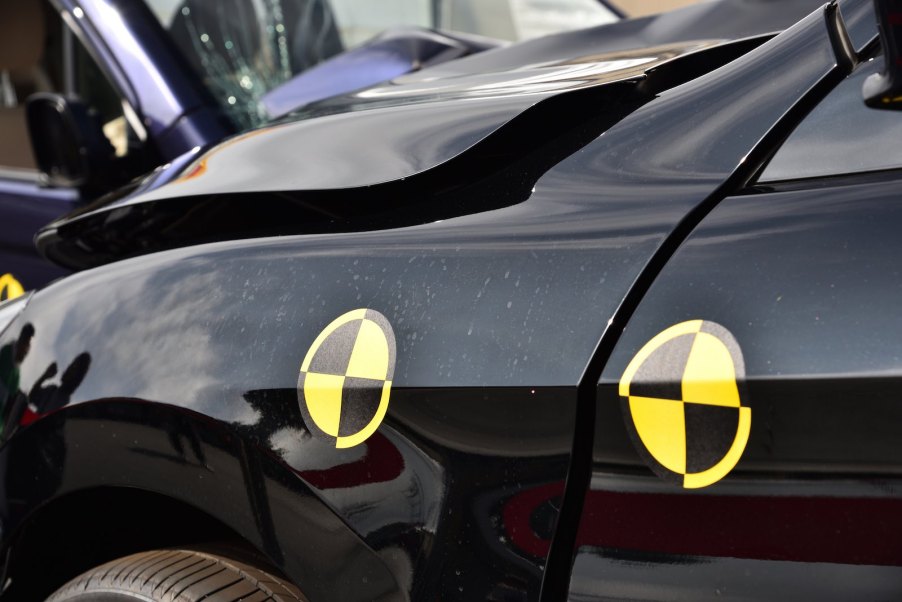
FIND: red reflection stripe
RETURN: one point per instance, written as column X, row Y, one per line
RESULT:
column 517, row 514
column 805, row 529
column 382, row 462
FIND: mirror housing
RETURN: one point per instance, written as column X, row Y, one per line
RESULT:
column 69, row 146
column 884, row 90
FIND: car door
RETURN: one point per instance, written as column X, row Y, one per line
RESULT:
column 24, row 205
column 40, row 54
column 748, row 421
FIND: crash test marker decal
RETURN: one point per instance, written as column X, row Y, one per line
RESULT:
column 10, row 288
column 346, row 378
column 682, row 400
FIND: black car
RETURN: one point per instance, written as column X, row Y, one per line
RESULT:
column 560, row 320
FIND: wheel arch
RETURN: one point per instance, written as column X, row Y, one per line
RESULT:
column 104, row 462
column 80, row 530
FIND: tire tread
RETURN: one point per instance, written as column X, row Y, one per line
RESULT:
column 180, row 575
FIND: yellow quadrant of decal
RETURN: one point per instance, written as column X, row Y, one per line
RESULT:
column 709, row 377
column 661, row 424
column 369, row 359
column 323, row 395
column 729, row 461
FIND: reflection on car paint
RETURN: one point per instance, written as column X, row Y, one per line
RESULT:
column 12, row 354
column 19, row 408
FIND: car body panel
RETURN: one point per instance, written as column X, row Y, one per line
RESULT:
column 187, row 457
column 791, row 272
column 809, row 508
column 497, row 315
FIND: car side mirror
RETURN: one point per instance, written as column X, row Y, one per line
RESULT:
column 69, row 145
column 884, row 90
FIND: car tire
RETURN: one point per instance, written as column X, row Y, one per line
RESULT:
column 177, row 576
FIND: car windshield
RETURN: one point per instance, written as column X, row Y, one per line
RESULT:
column 244, row 48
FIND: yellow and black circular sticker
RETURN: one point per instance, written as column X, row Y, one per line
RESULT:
column 10, row 288
column 682, row 398
column 346, row 378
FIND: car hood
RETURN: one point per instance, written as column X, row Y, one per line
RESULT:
column 398, row 129
column 421, row 127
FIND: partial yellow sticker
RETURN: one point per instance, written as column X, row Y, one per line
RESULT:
column 10, row 288
column 682, row 399
column 346, row 378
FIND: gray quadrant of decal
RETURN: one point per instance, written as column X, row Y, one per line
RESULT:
column 661, row 374
column 359, row 403
column 710, row 431
column 334, row 354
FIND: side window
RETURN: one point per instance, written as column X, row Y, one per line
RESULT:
column 39, row 54
column 841, row 136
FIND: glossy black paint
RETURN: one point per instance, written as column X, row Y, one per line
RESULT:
column 187, row 457
column 806, row 280
column 860, row 22
column 182, row 365
column 718, row 164
column 445, row 466
column 499, row 173
column 827, row 468
column 841, row 135
column 469, row 489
